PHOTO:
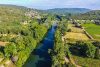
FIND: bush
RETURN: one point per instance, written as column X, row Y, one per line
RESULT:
column 90, row 51
column 10, row 49
column 84, row 49
column 97, row 43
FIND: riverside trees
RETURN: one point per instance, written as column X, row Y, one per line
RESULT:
column 60, row 50
column 27, row 38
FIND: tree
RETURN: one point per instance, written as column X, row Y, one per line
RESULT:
column 58, row 52
column 90, row 50
column 10, row 50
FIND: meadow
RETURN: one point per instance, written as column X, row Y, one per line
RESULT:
column 93, row 30
column 75, row 33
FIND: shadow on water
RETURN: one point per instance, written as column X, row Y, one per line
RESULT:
column 41, row 51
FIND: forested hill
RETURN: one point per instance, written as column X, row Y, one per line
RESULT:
column 13, row 13
column 94, row 14
column 68, row 10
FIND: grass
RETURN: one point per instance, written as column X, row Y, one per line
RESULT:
column 75, row 34
column 75, row 29
column 86, row 62
column 93, row 30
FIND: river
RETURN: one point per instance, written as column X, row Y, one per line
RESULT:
column 40, row 56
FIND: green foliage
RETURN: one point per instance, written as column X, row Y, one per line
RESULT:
column 60, row 50
column 96, row 43
column 93, row 30
column 83, row 47
column 91, row 15
column 63, row 25
column 38, row 31
column 86, row 49
column 4, row 38
column 90, row 51
column 86, row 62
column 22, row 39
column 23, row 55
column 66, row 11
column 11, row 14
column 10, row 49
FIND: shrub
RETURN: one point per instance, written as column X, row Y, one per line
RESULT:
column 90, row 50
column 97, row 43
column 84, row 49
column 10, row 49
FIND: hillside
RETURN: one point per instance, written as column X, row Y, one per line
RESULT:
column 95, row 14
column 13, row 13
column 49, row 38
column 67, row 10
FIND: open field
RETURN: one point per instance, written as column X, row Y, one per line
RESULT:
column 76, row 33
column 87, row 62
column 93, row 30
column 75, row 29
column 76, row 36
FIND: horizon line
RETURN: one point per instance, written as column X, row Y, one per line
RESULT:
column 48, row 8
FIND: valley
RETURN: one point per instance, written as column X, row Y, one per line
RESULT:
column 60, row 37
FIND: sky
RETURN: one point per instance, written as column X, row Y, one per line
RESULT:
column 49, row 4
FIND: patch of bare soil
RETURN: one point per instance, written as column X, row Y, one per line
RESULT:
column 3, row 43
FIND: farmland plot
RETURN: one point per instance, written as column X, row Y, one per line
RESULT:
column 93, row 30
column 75, row 33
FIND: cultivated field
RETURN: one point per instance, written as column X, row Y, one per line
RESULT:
column 93, row 30
column 75, row 33
column 76, row 36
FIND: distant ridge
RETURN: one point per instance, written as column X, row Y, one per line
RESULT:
column 53, row 11
column 68, row 10
column 92, row 15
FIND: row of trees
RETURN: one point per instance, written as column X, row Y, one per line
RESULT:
column 58, row 53
column 60, row 50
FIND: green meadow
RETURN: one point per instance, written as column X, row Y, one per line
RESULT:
column 93, row 30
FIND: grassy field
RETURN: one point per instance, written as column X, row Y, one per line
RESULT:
column 86, row 62
column 75, row 34
column 93, row 30
column 75, row 29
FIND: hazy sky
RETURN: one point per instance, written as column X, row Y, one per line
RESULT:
column 48, row 4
